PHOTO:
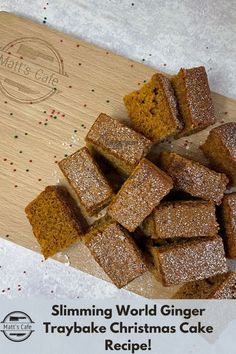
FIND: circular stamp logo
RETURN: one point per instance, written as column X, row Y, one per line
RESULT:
column 30, row 70
column 17, row 326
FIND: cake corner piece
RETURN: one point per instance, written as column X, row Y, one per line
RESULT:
column 55, row 219
column 194, row 259
column 153, row 109
column 228, row 220
column 145, row 187
column 193, row 177
column 220, row 149
column 122, row 146
column 87, row 180
column 115, row 251
column 194, row 98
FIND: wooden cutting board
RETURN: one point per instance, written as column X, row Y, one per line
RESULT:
column 52, row 87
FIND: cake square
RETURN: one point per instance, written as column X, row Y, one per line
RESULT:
column 182, row 219
column 115, row 251
column 194, row 178
column 221, row 286
column 228, row 213
column 226, row 289
column 186, row 261
column 153, row 109
column 220, row 149
column 55, row 219
column 139, row 195
column 87, row 180
column 119, row 144
column 194, row 98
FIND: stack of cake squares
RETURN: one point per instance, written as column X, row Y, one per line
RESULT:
column 181, row 207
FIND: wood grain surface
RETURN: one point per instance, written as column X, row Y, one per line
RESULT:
column 52, row 88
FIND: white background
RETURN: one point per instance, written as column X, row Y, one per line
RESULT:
column 168, row 35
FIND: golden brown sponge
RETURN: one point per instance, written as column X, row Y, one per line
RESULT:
column 55, row 219
column 153, row 109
